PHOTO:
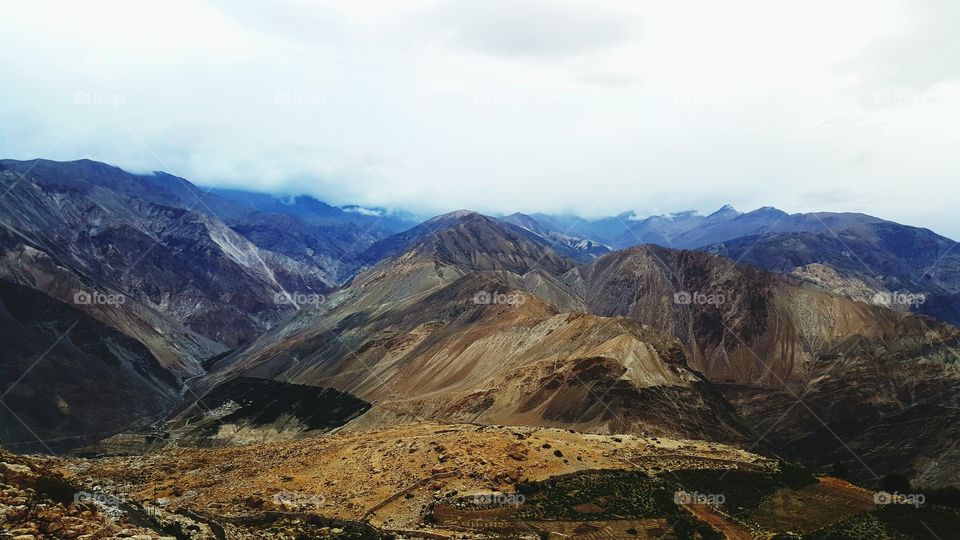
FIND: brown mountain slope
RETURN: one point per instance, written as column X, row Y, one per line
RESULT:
column 477, row 241
column 827, row 379
column 880, row 409
column 443, row 331
column 410, row 337
column 444, row 356
column 738, row 325
column 453, row 246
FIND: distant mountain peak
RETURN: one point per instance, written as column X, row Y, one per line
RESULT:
column 726, row 210
column 680, row 215
column 527, row 222
column 767, row 211
column 456, row 214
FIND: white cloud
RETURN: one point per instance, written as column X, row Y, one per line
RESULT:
column 504, row 106
column 363, row 211
column 532, row 28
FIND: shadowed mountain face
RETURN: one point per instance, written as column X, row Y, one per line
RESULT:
column 581, row 249
column 884, row 409
column 376, row 222
column 118, row 233
column 883, row 263
column 66, row 376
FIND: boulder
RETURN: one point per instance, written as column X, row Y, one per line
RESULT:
column 20, row 475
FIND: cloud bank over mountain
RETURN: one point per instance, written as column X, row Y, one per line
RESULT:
column 504, row 106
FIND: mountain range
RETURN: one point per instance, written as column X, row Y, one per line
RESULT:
column 859, row 256
column 222, row 317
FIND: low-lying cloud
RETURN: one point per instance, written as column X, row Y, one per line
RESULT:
column 504, row 106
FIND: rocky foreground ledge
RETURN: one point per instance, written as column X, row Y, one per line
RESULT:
column 367, row 484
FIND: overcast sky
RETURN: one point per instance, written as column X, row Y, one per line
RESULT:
column 504, row 105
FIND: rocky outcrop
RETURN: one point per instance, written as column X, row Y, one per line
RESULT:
column 36, row 501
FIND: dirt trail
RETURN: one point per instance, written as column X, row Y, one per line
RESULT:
column 730, row 531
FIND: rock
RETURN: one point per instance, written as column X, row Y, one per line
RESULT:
column 17, row 474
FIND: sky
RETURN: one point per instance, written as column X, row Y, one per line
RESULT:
column 587, row 107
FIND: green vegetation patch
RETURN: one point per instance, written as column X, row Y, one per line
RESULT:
column 626, row 495
column 263, row 401
column 607, row 495
column 895, row 522
column 924, row 522
column 742, row 491
column 612, row 494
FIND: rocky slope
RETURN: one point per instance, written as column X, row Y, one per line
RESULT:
column 737, row 324
column 415, row 465
column 795, row 360
column 66, row 375
column 439, row 332
column 883, row 263
column 102, row 223
column 581, row 249
column 882, row 408
column 409, row 336
column 38, row 501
